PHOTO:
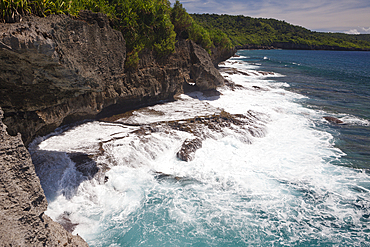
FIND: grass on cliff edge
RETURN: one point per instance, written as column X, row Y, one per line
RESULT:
column 151, row 24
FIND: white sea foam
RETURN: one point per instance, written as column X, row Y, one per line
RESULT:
column 353, row 120
column 283, row 189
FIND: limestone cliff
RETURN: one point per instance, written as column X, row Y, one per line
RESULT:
column 22, row 200
column 57, row 70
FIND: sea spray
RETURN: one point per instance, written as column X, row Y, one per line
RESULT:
column 278, row 186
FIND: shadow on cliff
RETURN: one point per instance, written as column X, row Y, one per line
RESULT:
column 194, row 92
column 61, row 173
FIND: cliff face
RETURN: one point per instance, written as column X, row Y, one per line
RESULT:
column 56, row 67
column 22, row 204
column 221, row 54
column 57, row 70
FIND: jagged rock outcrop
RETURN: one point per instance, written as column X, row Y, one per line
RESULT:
column 188, row 149
column 220, row 54
column 245, row 127
column 22, row 200
column 333, row 120
column 57, row 70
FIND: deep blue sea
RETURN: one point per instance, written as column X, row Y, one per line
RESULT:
column 277, row 174
column 337, row 82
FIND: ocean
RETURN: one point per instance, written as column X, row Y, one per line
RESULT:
column 265, row 166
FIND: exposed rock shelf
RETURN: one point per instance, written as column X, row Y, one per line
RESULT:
column 58, row 70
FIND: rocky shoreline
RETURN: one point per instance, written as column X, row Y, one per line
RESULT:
column 23, row 203
column 58, row 70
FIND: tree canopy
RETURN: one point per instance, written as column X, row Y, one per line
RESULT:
column 151, row 24
column 244, row 30
column 155, row 25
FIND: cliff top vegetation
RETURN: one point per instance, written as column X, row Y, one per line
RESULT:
column 155, row 25
column 151, row 24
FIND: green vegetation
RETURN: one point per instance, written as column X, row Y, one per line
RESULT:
column 244, row 30
column 144, row 24
column 10, row 9
column 150, row 24
column 155, row 25
column 186, row 28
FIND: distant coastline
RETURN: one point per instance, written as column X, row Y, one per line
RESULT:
column 260, row 33
column 293, row 46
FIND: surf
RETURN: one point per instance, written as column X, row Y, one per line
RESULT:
column 265, row 172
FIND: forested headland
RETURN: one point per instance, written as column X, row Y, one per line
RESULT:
column 156, row 25
column 260, row 32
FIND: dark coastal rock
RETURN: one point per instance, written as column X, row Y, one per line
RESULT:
column 84, row 164
column 66, row 222
column 333, row 120
column 22, row 200
column 220, row 54
column 244, row 127
column 202, row 70
column 165, row 176
column 58, row 70
column 160, row 176
column 188, row 148
column 235, row 71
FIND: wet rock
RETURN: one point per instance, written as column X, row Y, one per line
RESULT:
column 235, row 71
column 58, row 70
column 243, row 126
column 333, row 120
column 265, row 73
column 160, row 176
column 233, row 86
column 211, row 93
column 84, row 164
column 188, row 148
column 22, row 200
column 66, row 222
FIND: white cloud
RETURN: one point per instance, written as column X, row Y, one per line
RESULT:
column 358, row 30
column 365, row 30
column 352, row 31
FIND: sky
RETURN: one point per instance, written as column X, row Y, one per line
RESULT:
column 351, row 16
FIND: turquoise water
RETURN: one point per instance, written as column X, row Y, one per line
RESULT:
column 285, row 177
column 337, row 82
